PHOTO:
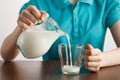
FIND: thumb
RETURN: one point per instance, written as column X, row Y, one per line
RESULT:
column 89, row 47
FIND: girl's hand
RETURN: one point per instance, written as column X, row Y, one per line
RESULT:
column 30, row 16
column 92, row 58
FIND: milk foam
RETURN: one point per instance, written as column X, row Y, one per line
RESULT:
column 70, row 69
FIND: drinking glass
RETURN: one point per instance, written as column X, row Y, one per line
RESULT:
column 71, row 62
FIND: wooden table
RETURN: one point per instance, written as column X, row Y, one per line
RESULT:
column 50, row 70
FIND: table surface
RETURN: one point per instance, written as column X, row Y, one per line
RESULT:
column 50, row 70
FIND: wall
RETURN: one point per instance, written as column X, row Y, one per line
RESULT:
column 8, row 15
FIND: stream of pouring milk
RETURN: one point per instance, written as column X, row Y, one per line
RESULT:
column 69, row 69
column 69, row 47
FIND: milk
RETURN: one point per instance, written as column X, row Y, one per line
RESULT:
column 68, row 69
column 69, row 47
column 34, row 44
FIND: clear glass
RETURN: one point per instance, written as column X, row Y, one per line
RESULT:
column 37, row 40
column 49, row 25
column 67, row 66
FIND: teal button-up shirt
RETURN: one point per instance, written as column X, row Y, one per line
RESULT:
column 84, row 22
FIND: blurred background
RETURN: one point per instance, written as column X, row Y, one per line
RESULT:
column 8, row 17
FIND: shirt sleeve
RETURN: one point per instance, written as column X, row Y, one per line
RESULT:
column 31, row 2
column 113, row 13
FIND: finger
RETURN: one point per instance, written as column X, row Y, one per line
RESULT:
column 93, row 52
column 95, row 69
column 22, row 25
column 92, row 58
column 44, row 15
column 25, row 20
column 92, row 64
column 34, row 11
column 89, row 47
column 29, row 16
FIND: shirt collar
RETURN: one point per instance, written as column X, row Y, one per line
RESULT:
column 86, row 1
column 60, row 4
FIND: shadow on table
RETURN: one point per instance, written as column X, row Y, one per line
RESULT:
column 9, row 71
